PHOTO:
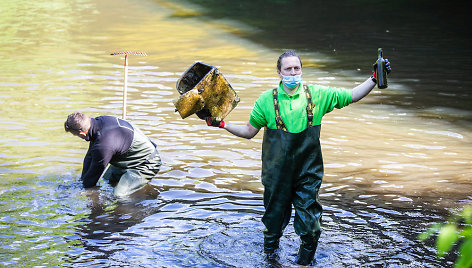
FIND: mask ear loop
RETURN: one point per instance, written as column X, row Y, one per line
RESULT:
column 82, row 133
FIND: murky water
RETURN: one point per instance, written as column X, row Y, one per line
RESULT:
column 389, row 173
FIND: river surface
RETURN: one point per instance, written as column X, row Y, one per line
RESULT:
column 393, row 165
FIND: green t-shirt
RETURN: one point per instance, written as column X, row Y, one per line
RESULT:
column 293, row 107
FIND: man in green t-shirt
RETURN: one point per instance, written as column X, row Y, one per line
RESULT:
column 292, row 164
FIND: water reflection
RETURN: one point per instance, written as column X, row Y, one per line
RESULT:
column 107, row 218
column 388, row 173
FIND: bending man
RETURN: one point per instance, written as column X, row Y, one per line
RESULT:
column 292, row 164
column 132, row 156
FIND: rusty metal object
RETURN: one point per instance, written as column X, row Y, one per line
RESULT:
column 204, row 91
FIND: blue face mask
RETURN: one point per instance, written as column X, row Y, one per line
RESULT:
column 292, row 81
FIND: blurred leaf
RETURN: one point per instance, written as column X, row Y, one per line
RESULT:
column 465, row 255
column 446, row 239
column 428, row 233
column 457, row 230
column 467, row 213
column 466, row 232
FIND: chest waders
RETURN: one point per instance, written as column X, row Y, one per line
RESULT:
column 292, row 171
column 136, row 167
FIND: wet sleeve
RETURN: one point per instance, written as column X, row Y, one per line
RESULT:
column 257, row 118
column 86, row 164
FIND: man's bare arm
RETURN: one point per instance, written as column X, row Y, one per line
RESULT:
column 244, row 131
column 362, row 90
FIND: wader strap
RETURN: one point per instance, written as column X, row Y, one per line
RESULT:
column 278, row 119
column 153, row 153
column 309, row 109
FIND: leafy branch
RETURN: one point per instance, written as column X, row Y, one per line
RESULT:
column 457, row 230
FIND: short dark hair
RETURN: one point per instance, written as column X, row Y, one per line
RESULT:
column 76, row 122
column 288, row 53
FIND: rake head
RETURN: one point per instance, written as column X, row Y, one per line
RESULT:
column 137, row 53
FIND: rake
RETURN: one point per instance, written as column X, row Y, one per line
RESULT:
column 125, row 86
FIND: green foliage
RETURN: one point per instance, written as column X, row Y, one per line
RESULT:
column 447, row 237
column 457, row 230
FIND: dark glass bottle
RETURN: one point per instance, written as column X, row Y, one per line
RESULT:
column 381, row 71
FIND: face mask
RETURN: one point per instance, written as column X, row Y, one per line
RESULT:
column 292, row 81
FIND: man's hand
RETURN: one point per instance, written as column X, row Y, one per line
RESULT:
column 363, row 89
column 387, row 66
column 214, row 123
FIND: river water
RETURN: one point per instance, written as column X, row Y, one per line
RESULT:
column 390, row 170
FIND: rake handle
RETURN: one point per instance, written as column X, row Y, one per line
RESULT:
column 125, row 87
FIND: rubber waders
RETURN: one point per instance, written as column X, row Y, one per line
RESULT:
column 292, row 171
column 306, row 252
column 127, row 181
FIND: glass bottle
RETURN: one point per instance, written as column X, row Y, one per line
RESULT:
column 381, row 71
